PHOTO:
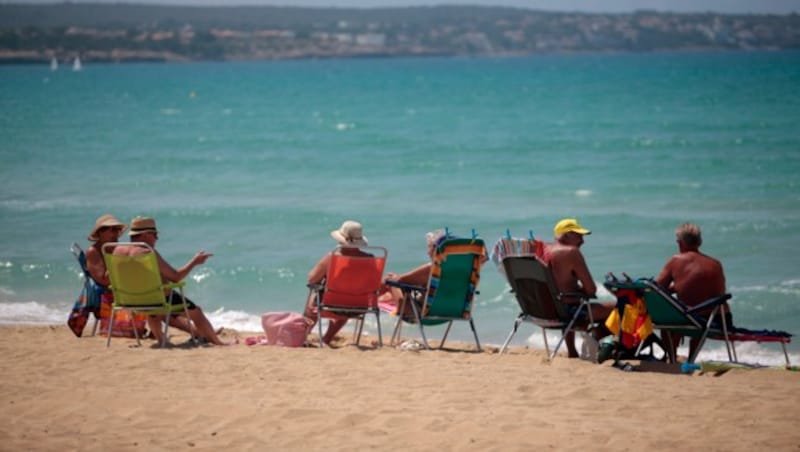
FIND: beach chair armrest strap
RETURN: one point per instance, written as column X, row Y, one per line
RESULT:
column 581, row 295
column 710, row 303
column 404, row 287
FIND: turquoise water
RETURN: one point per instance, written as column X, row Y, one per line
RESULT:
column 257, row 162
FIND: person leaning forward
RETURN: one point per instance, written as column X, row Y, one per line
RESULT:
column 571, row 274
column 693, row 276
column 143, row 229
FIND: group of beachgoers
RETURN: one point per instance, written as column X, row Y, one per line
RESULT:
column 692, row 276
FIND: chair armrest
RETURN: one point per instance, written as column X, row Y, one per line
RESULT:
column 581, row 295
column 710, row 303
column 404, row 287
column 315, row 286
column 174, row 285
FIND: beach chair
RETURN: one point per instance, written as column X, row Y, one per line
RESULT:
column 540, row 302
column 137, row 286
column 351, row 286
column 452, row 286
column 669, row 313
column 89, row 300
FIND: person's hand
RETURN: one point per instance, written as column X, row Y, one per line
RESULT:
column 201, row 257
column 390, row 276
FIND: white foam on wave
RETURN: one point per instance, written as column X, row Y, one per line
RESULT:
column 170, row 111
column 583, row 193
column 746, row 352
column 32, row 313
column 233, row 319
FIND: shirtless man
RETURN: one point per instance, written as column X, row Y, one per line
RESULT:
column 572, row 275
column 144, row 230
column 693, row 276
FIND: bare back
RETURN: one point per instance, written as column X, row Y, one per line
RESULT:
column 569, row 270
column 693, row 276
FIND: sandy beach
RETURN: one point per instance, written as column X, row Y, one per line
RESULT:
column 63, row 393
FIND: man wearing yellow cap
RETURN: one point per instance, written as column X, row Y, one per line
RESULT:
column 571, row 273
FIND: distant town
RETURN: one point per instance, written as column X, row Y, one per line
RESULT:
column 130, row 32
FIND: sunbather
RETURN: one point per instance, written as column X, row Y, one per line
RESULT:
column 693, row 276
column 107, row 229
column 144, row 230
column 572, row 275
column 416, row 277
column 351, row 236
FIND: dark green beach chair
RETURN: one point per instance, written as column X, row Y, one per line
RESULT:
column 669, row 313
column 452, row 286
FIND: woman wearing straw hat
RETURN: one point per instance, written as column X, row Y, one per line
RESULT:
column 351, row 235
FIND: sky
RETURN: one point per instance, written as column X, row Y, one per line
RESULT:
column 604, row 6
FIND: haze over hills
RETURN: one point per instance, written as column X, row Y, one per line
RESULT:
column 131, row 32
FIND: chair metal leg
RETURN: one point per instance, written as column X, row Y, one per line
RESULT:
column 570, row 325
column 475, row 333
column 446, row 332
column 546, row 345
column 419, row 321
column 380, row 334
column 110, row 327
column 517, row 323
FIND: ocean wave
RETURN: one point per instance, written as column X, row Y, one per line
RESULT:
column 32, row 312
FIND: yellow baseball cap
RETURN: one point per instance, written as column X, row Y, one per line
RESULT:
column 569, row 225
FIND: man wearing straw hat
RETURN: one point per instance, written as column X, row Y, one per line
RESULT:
column 143, row 229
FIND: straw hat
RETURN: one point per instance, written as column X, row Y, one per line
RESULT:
column 350, row 233
column 140, row 225
column 105, row 221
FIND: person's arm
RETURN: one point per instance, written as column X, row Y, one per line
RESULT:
column 96, row 267
column 173, row 275
column 582, row 273
column 416, row 277
column 664, row 278
column 317, row 274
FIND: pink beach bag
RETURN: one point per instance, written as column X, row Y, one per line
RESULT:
column 288, row 329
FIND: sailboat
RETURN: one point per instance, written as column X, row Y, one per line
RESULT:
column 54, row 64
column 76, row 65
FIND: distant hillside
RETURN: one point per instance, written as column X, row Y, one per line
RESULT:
column 124, row 32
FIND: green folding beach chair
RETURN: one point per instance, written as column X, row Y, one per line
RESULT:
column 450, row 292
column 137, row 286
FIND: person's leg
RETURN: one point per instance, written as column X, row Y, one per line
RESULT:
column 334, row 325
column 204, row 328
column 154, row 323
column 569, row 339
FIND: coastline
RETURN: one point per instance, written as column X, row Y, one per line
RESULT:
column 62, row 392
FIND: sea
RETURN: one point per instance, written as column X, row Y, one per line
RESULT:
column 257, row 162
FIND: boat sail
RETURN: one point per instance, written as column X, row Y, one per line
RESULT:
column 76, row 65
column 54, row 64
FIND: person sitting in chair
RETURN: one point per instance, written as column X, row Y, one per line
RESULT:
column 350, row 235
column 572, row 275
column 144, row 230
column 694, row 277
column 107, row 229
column 416, row 277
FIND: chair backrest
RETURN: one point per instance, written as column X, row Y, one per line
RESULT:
column 135, row 280
column 664, row 309
column 354, row 277
column 93, row 290
column 454, row 278
column 533, row 286
column 511, row 246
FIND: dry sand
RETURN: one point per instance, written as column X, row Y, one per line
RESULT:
column 63, row 393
